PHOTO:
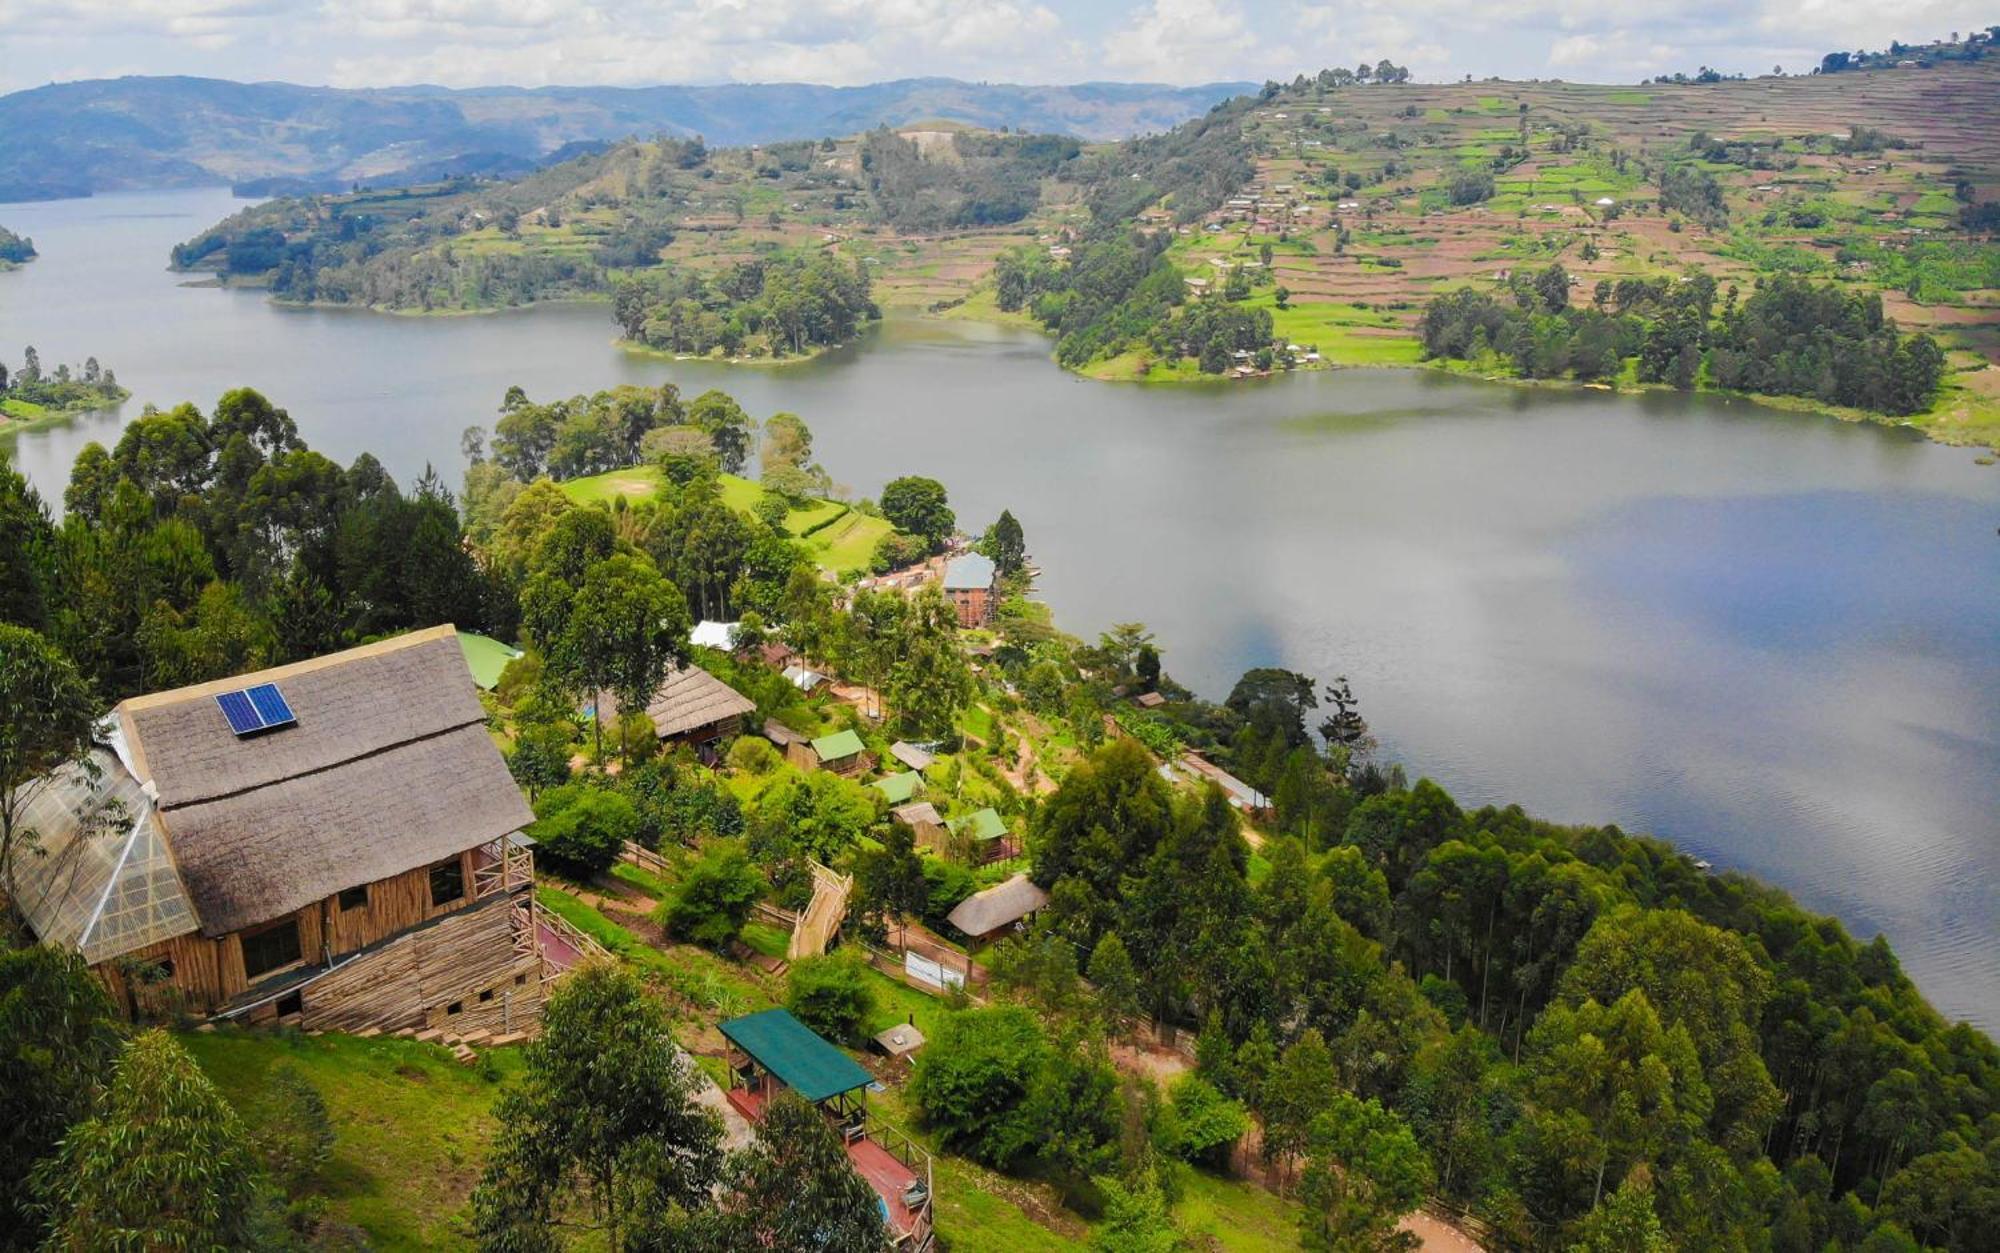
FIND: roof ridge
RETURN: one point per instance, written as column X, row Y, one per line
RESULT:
column 213, row 687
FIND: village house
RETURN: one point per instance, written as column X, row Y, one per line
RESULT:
column 841, row 753
column 695, row 708
column 969, row 582
column 988, row 915
column 926, row 827
column 333, row 844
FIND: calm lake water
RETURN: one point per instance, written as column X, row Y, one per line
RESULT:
column 1773, row 639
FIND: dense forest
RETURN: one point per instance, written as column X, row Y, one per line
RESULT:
column 1788, row 337
column 783, row 304
column 15, row 249
column 30, row 391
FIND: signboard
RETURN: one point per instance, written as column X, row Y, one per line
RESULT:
column 923, row 969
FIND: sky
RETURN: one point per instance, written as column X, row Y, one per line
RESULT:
column 460, row 43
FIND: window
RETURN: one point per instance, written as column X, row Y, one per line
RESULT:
column 447, row 882
column 354, row 898
column 456, row 1007
column 163, row 970
column 521, row 981
column 486, row 996
column 274, row 946
column 292, row 1006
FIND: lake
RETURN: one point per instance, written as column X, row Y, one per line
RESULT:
column 1773, row 639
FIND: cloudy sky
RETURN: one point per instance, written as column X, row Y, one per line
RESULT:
column 534, row 42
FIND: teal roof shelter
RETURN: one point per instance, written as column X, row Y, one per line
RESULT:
column 796, row 1055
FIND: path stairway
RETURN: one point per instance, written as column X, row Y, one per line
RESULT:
column 822, row 916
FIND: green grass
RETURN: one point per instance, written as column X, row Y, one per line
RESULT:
column 634, row 483
column 1235, row 1216
column 24, row 409
column 845, row 540
column 411, row 1125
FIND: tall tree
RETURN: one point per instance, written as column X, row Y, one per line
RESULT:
column 728, row 428
column 162, row 1164
column 603, row 1128
column 1006, row 544
column 919, row 506
column 57, row 1046
column 794, row 1189
column 45, row 730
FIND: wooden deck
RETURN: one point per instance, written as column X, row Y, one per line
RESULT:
column 888, row 1175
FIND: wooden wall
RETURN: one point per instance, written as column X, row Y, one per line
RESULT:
column 208, row 973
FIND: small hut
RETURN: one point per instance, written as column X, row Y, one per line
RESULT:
column 987, row 915
column 696, row 708
column 842, row 753
column 921, row 817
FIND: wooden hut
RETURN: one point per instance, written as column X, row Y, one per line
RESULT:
column 921, row 817
column 842, row 753
column 332, row 843
column 988, row 915
column 797, row 748
column 694, row 707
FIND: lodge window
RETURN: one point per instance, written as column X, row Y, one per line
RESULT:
column 267, row 950
column 354, row 898
column 486, row 996
column 447, row 882
column 292, row 1006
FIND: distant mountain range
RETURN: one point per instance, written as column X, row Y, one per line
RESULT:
column 72, row 139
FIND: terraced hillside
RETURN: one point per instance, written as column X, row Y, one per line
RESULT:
column 1371, row 200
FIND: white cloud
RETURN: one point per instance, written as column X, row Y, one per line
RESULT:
column 468, row 42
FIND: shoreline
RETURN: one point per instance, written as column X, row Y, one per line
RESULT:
column 1942, row 436
column 11, row 425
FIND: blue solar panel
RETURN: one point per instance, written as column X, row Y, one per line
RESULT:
column 271, row 706
column 242, row 715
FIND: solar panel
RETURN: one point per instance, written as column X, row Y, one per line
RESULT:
column 242, row 715
column 271, row 706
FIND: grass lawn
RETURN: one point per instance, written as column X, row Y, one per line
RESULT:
column 411, row 1125
column 1236, row 1216
column 635, row 483
column 845, row 539
column 23, row 409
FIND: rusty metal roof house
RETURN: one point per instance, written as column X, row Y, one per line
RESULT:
column 332, row 841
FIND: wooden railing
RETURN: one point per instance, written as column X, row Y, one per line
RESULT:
column 918, row 1159
column 646, row 859
column 501, row 865
column 583, row 944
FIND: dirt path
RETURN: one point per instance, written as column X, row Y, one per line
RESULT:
column 1437, row 1235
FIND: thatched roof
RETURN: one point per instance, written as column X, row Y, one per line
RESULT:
column 781, row 735
column 987, row 911
column 917, row 812
column 692, row 698
column 910, row 755
column 389, row 768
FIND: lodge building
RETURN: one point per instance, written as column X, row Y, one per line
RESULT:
column 334, row 844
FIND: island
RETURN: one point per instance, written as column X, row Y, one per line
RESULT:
column 15, row 250
column 30, row 395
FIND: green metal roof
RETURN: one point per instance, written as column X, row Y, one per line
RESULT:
column 485, row 657
column 839, row 744
column 900, row 787
column 983, row 825
column 796, row 1055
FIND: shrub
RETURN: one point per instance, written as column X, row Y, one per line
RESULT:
column 970, row 1079
column 715, row 897
column 580, row 829
column 1201, row 1124
column 832, row 996
column 753, row 755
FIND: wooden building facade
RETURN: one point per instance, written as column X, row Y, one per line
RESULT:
column 333, row 844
